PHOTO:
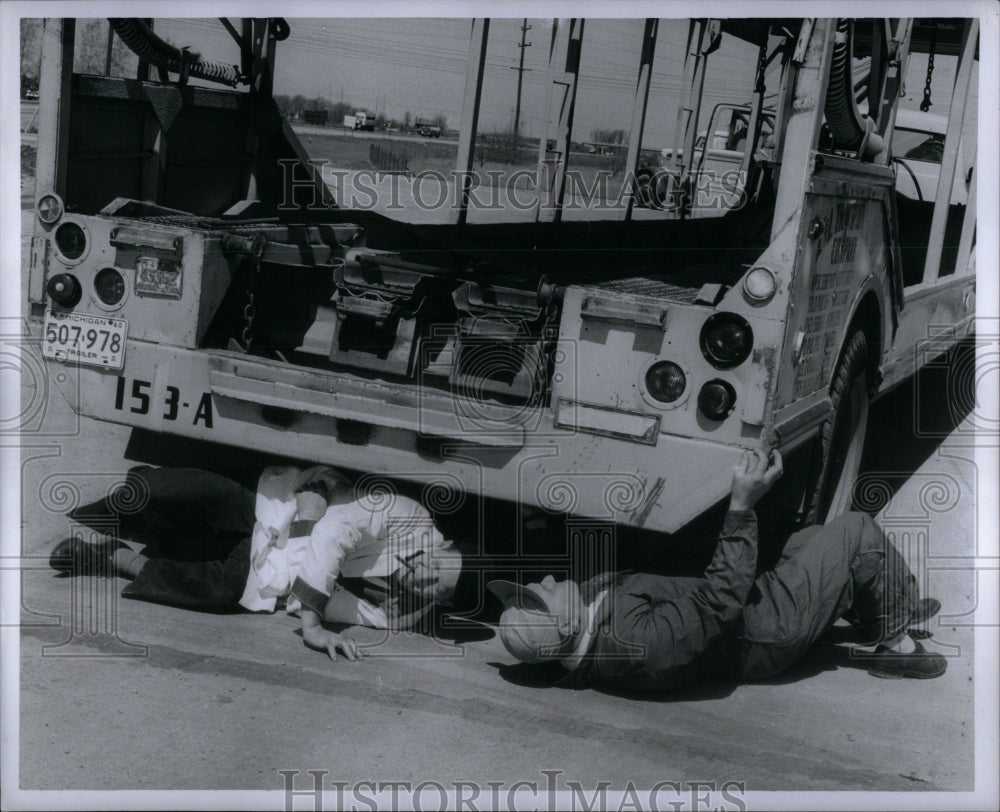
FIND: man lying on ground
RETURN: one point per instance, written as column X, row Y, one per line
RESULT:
column 303, row 537
column 635, row 631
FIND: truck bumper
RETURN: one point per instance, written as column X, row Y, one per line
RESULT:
column 453, row 447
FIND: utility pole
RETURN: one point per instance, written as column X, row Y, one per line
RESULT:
column 111, row 47
column 520, row 75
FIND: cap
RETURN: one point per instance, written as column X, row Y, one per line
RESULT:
column 528, row 629
column 531, row 636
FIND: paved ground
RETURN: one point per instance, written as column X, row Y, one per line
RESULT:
column 121, row 694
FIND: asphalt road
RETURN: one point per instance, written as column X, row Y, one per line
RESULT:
column 118, row 694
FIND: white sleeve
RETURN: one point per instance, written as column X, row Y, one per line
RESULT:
column 409, row 528
column 332, row 538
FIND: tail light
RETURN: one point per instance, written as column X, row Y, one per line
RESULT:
column 64, row 289
column 49, row 209
column 726, row 340
column 109, row 285
column 71, row 240
column 716, row 399
column 665, row 381
column 759, row 285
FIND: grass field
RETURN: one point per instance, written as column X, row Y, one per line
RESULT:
column 352, row 152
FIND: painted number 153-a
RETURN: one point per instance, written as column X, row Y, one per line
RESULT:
column 135, row 397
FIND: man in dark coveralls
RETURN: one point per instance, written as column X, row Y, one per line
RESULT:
column 644, row 632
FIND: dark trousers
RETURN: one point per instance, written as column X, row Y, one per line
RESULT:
column 198, row 526
column 847, row 568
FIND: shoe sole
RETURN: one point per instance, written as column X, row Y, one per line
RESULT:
column 905, row 674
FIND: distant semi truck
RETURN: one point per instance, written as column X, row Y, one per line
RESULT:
column 315, row 116
column 360, row 121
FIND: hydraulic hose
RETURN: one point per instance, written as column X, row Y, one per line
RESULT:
column 916, row 183
column 141, row 40
column 841, row 110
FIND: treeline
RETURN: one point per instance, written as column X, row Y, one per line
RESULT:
column 90, row 54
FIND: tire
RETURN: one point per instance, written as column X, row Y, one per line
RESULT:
column 644, row 192
column 841, row 440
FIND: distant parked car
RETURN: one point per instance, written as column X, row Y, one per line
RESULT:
column 430, row 131
column 31, row 95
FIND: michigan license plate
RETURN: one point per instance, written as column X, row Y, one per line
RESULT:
column 95, row 340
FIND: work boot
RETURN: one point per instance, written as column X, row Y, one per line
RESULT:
column 918, row 664
column 74, row 556
column 873, row 633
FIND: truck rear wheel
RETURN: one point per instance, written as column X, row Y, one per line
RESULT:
column 842, row 438
column 644, row 189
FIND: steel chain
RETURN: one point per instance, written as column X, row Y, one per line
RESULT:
column 925, row 105
column 761, row 69
column 250, row 309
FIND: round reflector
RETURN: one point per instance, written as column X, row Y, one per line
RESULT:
column 759, row 285
column 49, row 209
column 64, row 289
column 109, row 285
column 665, row 381
column 71, row 240
column 716, row 399
column 726, row 340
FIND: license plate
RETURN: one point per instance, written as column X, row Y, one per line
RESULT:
column 95, row 340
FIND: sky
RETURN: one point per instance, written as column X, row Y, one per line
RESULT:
column 418, row 66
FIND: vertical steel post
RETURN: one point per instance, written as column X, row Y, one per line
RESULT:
column 564, row 69
column 802, row 120
column 968, row 228
column 142, row 69
column 154, row 168
column 898, row 32
column 110, row 50
column 952, row 141
column 639, row 105
column 257, row 61
column 470, row 118
column 704, row 42
column 54, row 91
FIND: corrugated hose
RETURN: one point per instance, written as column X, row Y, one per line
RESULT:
column 141, row 40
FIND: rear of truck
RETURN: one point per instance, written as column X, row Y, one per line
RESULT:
column 609, row 370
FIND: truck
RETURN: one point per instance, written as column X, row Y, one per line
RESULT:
column 359, row 121
column 190, row 262
column 315, row 116
column 426, row 128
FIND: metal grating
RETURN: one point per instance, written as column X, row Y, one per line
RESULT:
column 642, row 286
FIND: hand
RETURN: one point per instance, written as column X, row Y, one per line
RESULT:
column 753, row 475
column 330, row 642
column 316, row 637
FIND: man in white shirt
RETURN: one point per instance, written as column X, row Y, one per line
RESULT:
column 303, row 537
